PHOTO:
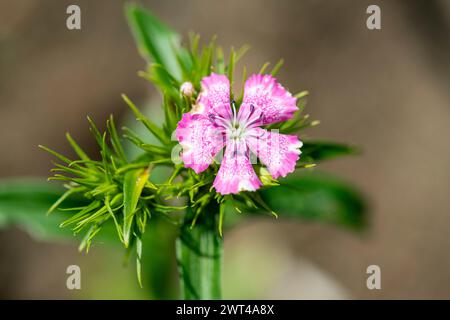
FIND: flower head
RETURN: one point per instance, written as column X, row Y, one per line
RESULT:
column 215, row 123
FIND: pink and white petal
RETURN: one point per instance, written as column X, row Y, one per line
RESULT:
column 214, row 96
column 266, row 94
column 236, row 172
column 249, row 116
column 278, row 152
column 200, row 140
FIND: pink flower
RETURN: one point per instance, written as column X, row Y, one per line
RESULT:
column 214, row 123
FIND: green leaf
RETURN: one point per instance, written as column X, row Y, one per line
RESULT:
column 24, row 203
column 63, row 197
column 156, row 41
column 277, row 67
column 199, row 258
column 230, row 67
column 115, row 140
column 152, row 127
column 138, row 260
column 316, row 196
column 321, row 150
column 133, row 184
column 77, row 148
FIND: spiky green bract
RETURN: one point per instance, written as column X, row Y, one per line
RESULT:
column 117, row 190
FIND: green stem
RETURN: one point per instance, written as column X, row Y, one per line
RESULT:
column 199, row 257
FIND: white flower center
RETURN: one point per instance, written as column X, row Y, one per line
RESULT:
column 234, row 126
column 235, row 131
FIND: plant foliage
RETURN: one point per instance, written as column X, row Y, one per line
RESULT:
column 117, row 190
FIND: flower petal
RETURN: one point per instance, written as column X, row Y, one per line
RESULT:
column 249, row 116
column 200, row 140
column 236, row 172
column 278, row 152
column 214, row 96
column 266, row 94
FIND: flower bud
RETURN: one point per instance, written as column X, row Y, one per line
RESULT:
column 187, row 89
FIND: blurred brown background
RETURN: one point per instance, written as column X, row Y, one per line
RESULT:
column 386, row 90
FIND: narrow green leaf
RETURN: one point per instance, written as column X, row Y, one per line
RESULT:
column 230, row 67
column 133, row 184
column 277, row 67
column 156, row 41
column 186, row 63
column 206, row 59
column 63, row 197
column 132, row 166
column 241, row 52
column 105, row 157
column 153, row 128
column 220, row 61
column 87, row 240
column 244, row 78
column 115, row 140
column 221, row 217
column 56, row 154
column 170, row 111
column 319, row 197
column 301, row 94
column 82, row 214
column 81, row 172
column 138, row 260
column 194, row 40
column 95, row 132
column 159, row 76
column 24, row 202
column 313, row 151
column 156, row 150
column 113, row 216
column 264, row 67
column 76, row 148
